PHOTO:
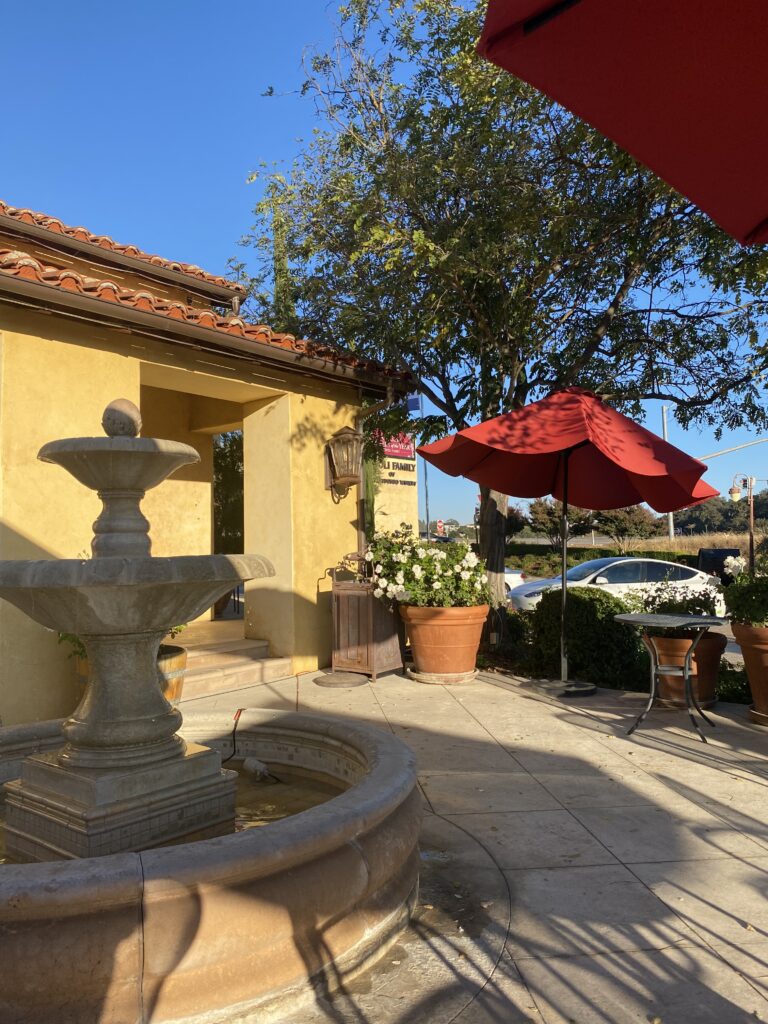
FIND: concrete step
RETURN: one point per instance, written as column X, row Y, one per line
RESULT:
column 229, row 652
column 201, row 681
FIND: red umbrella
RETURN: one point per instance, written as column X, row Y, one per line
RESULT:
column 680, row 84
column 578, row 449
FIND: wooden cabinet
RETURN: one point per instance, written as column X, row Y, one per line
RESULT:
column 368, row 637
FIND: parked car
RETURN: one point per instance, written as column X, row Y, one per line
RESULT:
column 619, row 575
column 513, row 578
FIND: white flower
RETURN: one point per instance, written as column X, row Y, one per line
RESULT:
column 391, row 590
column 399, row 578
column 378, row 592
column 470, row 558
column 734, row 565
column 484, row 578
column 436, row 585
column 465, row 575
column 379, row 568
column 369, row 556
column 441, row 555
column 477, row 584
column 418, row 572
column 420, row 552
column 382, row 582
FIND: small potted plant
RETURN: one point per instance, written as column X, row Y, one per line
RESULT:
column 442, row 594
column 171, row 663
column 746, row 599
column 672, row 645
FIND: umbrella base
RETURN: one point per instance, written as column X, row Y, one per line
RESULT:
column 558, row 688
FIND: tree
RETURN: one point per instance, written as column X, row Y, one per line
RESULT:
column 228, row 493
column 622, row 524
column 516, row 521
column 545, row 516
column 449, row 220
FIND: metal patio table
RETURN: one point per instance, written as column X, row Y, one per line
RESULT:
column 698, row 624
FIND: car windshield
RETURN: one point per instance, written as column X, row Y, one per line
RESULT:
column 580, row 572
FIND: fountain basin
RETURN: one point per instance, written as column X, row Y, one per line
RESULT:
column 215, row 930
column 108, row 596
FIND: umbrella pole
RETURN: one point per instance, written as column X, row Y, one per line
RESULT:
column 564, row 578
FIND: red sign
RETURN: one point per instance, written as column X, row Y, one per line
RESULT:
column 440, row 527
column 401, row 447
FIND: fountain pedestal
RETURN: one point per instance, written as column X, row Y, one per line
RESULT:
column 124, row 780
column 57, row 812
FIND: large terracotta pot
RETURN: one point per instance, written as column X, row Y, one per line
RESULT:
column 753, row 641
column 706, row 663
column 171, row 666
column 444, row 641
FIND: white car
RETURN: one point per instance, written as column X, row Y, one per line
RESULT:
column 619, row 575
column 513, row 578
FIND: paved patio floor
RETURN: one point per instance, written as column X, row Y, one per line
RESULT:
column 571, row 874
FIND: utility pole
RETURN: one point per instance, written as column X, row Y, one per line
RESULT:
column 670, row 516
column 424, row 463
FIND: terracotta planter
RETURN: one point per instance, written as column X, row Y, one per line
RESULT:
column 753, row 641
column 171, row 666
column 706, row 662
column 444, row 641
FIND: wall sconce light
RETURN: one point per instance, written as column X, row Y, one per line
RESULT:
column 344, row 460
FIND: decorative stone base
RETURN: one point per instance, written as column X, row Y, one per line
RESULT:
column 56, row 812
column 759, row 717
column 442, row 678
column 341, row 679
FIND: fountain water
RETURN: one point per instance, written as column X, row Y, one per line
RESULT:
column 124, row 780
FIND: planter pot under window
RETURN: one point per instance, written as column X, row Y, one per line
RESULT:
column 444, row 641
column 171, row 666
column 706, row 663
column 753, row 641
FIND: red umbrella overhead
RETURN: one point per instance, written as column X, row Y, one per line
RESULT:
column 612, row 461
column 680, row 84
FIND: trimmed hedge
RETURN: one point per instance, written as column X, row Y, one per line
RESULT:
column 600, row 650
column 541, row 560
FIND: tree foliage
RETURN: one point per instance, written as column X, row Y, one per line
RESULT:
column 623, row 524
column 228, row 493
column 452, row 221
column 545, row 515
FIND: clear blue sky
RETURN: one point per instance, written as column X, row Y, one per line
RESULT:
column 142, row 121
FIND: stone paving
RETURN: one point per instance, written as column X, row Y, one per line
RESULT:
column 571, row 874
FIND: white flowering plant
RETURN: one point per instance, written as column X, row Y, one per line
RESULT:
column 426, row 574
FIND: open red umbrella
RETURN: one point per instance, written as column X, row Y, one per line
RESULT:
column 680, row 84
column 578, row 449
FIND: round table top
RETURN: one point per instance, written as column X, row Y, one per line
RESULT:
column 661, row 621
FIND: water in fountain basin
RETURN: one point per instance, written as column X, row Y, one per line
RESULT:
column 257, row 802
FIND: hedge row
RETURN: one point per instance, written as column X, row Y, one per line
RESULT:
column 540, row 560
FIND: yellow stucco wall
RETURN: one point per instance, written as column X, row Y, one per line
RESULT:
column 48, row 389
column 292, row 519
column 56, row 376
column 180, row 510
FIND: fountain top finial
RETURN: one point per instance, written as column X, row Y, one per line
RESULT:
column 121, row 419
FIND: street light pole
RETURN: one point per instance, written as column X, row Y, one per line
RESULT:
column 735, row 493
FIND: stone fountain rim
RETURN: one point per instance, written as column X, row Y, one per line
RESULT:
column 123, row 444
column 133, row 571
column 31, row 890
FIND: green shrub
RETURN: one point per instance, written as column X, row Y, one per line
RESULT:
column 747, row 600
column 600, row 650
column 511, row 652
column 732, row 685
column 540, row 560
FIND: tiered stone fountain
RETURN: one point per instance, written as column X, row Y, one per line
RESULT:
column 204, row 929
column 125, row 780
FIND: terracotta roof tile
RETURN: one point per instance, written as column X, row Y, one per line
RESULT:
column 82, row 234
column 15, row 263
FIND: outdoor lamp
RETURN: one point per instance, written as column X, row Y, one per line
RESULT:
column 734, row 493
column 344, row 459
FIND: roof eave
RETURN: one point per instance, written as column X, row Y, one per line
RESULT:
column 207, row 290
column 36, row 295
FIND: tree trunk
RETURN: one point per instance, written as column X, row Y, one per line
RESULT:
column 493, row 517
